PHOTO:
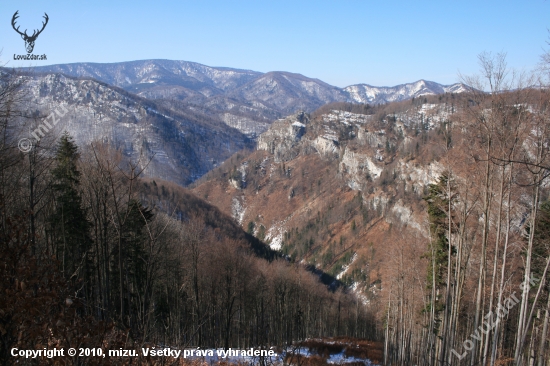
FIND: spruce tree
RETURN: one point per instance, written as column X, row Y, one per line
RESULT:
column 69, row 227
column 438, row 202
column 135, row 239
column 134, row 256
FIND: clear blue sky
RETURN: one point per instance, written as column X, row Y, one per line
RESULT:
column 341, row 42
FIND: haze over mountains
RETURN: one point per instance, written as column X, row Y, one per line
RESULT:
column 179, row 145
column 424, row 204
column 244, row 99
column 184, row 117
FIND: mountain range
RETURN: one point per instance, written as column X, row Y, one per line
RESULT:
column 179, row 145
column 390, row 191
column 244, row 99
column 181, row 119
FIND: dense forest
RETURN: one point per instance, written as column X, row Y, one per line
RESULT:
column 449, row 241
column 93, row 255
column 484, row 298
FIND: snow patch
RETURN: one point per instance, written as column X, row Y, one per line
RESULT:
column 355, row 289
column 275, row 234
column 346, row 267
column 238, row 209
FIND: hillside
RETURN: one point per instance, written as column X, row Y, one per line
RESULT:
column 246, row 100
column 404, row 203
column 432, row 211
column 169, row 143
column 334, row 188
column 116, row 260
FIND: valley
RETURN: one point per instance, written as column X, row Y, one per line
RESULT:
column 185, row 205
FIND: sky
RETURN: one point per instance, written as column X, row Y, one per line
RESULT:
column 341, row 42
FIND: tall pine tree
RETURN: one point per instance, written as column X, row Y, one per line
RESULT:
column 69, row 227
column 134, row 257
column 438, row 201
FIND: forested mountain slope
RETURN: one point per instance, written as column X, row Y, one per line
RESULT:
column 425, row 208
column 101, row 256
column 243, row 99
column 170, row 143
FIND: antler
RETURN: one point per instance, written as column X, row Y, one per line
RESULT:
column 15, row 16
column 34, row 35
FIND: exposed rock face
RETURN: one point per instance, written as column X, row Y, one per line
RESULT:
column 283, row 137
column 287, row 138
column 401, row 213
column 327, row 145
column 373, row 139
column 337, row 190
column 359, row 165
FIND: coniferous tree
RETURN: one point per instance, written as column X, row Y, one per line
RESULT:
column 136, row 262
column 69, row 227
column 439, row 252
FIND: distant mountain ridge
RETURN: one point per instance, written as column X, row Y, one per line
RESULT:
column 172, row 144
column 243, row 99
column 141, row 75
column 364, row 93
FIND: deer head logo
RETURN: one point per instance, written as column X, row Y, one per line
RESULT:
column 29, row 40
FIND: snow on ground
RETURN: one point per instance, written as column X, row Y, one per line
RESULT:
column 346, row 267
column 238, row 209
column 219, row 355
column 346, row 117
column 275, row 234
column 339, row 358
column 335, row 359
column 355, row 289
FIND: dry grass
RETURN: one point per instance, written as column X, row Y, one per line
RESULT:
column 504, row 361
column 300, row 360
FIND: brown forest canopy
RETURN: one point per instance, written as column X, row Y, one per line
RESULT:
column 91, row 254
